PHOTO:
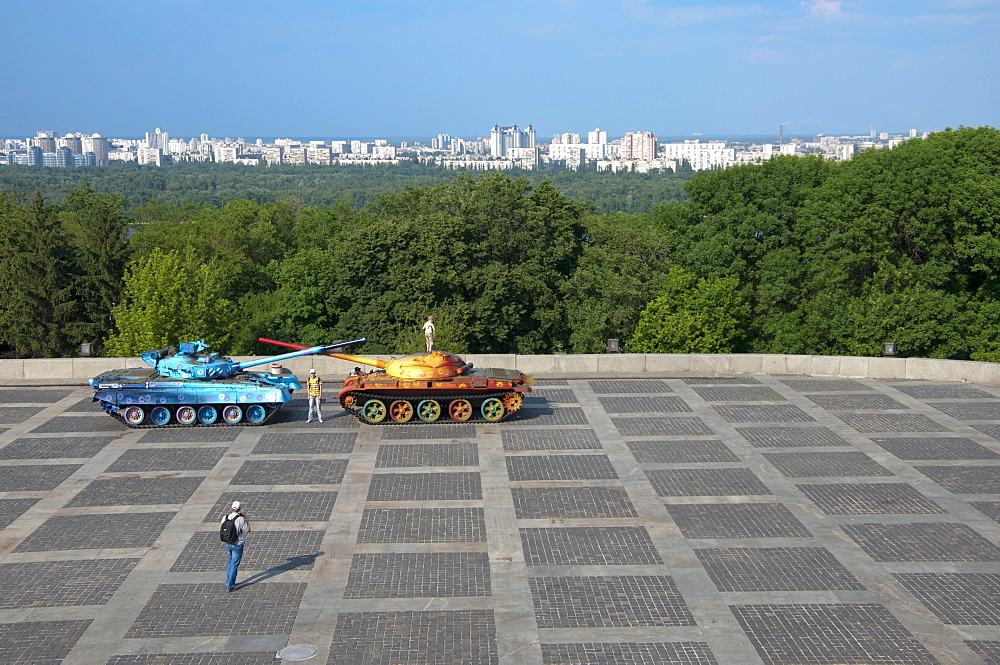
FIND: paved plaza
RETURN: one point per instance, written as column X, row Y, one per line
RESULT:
column 730, row 520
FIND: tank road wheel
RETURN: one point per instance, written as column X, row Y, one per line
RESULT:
column 256, row 414
column 134, row 415
column 428, row 410
column 460, row 409
column 512, row 401
column 160, row 415
column 207, row 414
column 401, row 411
column 232, row 414
column 374, row 411
column 186, row 415
column 492, row 409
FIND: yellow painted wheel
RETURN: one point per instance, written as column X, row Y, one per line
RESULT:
column 460, row 409
column 374, row 411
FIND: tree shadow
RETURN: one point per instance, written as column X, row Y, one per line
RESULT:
column 292, row 563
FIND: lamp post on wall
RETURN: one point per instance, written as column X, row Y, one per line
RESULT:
column 889, row 350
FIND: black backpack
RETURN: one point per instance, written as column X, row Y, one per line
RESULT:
column 228, row 533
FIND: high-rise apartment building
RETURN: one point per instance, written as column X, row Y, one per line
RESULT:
column 159, row 140
column 502, row 139
column 598, row 136
column 638, row 145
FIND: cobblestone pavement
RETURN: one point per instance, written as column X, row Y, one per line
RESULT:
column 697, row 520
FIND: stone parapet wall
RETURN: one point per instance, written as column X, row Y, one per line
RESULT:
column 623, row 364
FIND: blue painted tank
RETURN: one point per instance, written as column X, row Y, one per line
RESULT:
column 191, row 387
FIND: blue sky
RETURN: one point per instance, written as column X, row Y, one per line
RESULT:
column 400, row 68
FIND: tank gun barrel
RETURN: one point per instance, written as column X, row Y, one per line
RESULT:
column 302, row 350
column 381, row 364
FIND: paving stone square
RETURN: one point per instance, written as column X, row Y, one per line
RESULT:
column 74, row 424
column 192, row 610
column 306, row 443
column 627, row 653
column 989, row 430
column 191, row 435
column 422, row 525
column 829, row 634
column 560, row 415
column 39, row 642
column 168, row 459
column 204, row 658
column 645, row 404
column 419, row 575
column 971, row 599
column 891, row 422
column 869, row 499
column 988, row 651
column 680, row 452
column 14, row 415
column 34, row 477
column 989, row 508
column 293, row 416
column 746, row 569
column 970, row 410
column 791, row 437
column 103, row 531
column 554, row 395
column 448, row 486
column 11, row 509
column 588, row 546
column 935, row 448
column 965, row 479
column 55, row 447
column 661, row 426
column 32, row 396
column 560, row 467
column 446, row 431
column 739, row 394
column 61, row 583
column 817, row 385
column 291, row 472
column 722, row 381
column 571, row 502
column 630, row 386
column 272, row 551
column 608, row 602
column 739, row 520
column 944, row 391
column 836, row 464
column 86, row 405
column 706, row 482
column 763, row 413
column 847, row 402
column 550, row 439
column 136, row 491
column 427, row 454
column 311, row 506
column 456, row 637
column 935, row 541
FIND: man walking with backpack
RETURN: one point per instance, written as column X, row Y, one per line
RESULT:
column 233, row 533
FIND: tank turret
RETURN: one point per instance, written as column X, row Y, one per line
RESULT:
column 426, row 385
column 190, row 387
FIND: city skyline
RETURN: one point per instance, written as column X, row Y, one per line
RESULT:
column 395, row 68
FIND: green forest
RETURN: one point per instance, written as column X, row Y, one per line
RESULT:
column 795, row 255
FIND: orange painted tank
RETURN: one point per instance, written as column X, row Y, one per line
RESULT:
column 427, row 387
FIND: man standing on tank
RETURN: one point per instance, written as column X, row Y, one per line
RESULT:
column 314, row 388
column 429, row 332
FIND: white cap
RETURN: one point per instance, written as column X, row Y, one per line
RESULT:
column 312, row 371
column 236, row 505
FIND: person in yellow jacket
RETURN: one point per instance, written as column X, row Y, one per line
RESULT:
column 315, row 391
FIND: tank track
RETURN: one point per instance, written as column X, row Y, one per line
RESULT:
column 174, row 425
column 389, row 398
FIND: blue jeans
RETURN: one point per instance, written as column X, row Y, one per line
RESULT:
column 235, row 556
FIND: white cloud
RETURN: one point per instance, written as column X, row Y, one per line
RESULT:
column 825, row 8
